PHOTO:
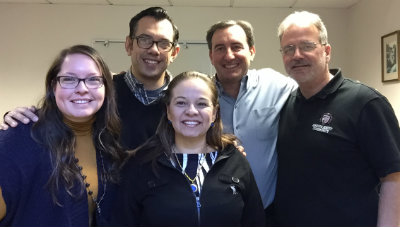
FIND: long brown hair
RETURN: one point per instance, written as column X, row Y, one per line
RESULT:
column 51, row 132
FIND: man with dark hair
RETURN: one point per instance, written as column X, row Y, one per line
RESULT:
column 250, row 100
column 152, row 44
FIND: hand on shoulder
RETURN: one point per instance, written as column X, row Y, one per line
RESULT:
column 19, row 114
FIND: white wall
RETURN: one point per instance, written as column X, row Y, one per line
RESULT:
column 31, row 35
column 368, row 21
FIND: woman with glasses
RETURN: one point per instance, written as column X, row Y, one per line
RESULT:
column 189, row 173
column 61, row 170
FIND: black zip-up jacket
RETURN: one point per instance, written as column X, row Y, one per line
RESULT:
column 229, row 195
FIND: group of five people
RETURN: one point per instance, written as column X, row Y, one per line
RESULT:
column 181, row 168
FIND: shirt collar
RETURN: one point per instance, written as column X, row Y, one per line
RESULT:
column 329, row 88
column 130, row 77
column 140, row 93
column 244, row 83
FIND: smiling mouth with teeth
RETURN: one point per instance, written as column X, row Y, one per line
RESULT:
column 150, row 61
column 81, row 101
column 191, row 123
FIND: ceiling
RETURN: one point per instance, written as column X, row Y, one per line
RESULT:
column 201, row 3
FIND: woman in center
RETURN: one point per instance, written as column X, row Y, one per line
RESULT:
column 189, row 173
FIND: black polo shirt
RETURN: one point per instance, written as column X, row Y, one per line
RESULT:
column 332, row 150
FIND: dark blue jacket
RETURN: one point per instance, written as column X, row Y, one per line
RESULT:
column 25, row 169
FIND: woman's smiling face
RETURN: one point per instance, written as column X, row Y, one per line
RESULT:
column 81, row 103
column 191, row 110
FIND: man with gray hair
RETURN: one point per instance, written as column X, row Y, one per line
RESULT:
column 250, row 100
column 338, row 141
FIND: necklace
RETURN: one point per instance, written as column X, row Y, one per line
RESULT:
column 201, row 159
column 87, row 185
column 200, row 162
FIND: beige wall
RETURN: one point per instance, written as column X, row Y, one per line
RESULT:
column 31, row 35
column 368, row 22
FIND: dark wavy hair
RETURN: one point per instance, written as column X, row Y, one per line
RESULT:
column 158, row 14
column 162, row 142
column 51, row 132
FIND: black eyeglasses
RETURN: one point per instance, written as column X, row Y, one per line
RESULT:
column 147, row 42
column 70, row 82
column 289, row 50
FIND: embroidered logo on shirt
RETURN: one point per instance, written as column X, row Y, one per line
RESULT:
column 324, row 127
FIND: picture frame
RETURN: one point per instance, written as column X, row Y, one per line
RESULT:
column 390, row 56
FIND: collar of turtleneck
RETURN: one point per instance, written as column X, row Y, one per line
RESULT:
column 80, row 128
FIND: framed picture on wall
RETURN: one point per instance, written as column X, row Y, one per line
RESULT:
column 390, row 56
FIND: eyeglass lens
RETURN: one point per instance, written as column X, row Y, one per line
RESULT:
column 72, row 82
column 147, row 42
column 303, row 47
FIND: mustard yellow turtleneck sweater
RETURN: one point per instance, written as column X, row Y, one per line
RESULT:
column 85, row 152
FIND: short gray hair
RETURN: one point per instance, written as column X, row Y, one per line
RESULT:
column 304, row 18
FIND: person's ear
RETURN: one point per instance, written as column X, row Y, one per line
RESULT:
column 252, row 53
column 174, row 53
column 328, row 52
column 128, row 45
column 211, row 57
